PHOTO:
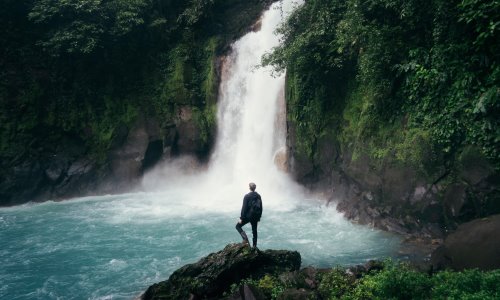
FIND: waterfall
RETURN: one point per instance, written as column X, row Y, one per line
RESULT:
column 251, row 128
column 251, row 136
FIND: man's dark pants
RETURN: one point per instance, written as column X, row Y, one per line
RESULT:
column 243, row 234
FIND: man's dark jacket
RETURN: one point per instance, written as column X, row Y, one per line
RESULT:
column 247, row 201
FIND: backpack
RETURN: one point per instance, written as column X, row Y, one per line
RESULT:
column 255, row 211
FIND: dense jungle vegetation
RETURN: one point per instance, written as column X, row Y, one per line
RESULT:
column 393, row 281
column 77, row 70
column 411, row 82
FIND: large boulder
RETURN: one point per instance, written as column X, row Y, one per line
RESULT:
column 212, row 275
column 474, row 244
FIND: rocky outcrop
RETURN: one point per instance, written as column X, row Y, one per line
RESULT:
column 239, row 272
column 474, row 244
column 213, row 275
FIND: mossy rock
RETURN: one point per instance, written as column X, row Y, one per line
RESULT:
column 212, row 275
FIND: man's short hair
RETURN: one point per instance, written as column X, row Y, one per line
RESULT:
column 252, row 186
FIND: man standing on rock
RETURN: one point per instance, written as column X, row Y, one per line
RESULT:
column 251, row 211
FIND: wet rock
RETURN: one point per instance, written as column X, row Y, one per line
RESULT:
column 305, row 278
column 280, row 160
column 247, row 292
column 373, row 212
column 56, row 170
column 433, row 230
column 309, row 276
column 418, row 194
column 368, row 196
column 80, row 167
column 433, row 213
column 474, row 244
column 187, row 133
column 23, row 182
column 213, row 275
column 393, row 225
column 290, row 278
column 474, row 167
column 358, row 271
column 250, row 292
column 296, row 294
column 168, row 141
column 454, row 199
column 374, row 265
column 154, row 153
column 126, row 160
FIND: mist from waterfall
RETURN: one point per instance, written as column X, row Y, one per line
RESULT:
column 250, row 145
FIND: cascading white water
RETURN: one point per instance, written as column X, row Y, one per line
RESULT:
column 248, row 108
column 249, row 131
column 249, row 135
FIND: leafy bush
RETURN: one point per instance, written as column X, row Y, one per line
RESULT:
column 335, row 283
column 400, row 281
column 394, row 282
column 271, row 286
column 468, row 284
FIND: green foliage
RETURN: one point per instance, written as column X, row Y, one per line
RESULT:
column 469, row 284
column 195, row 12
column 83, row 68
column 417, row 150
column 305, row 111
column 84, row 25
column 206, row 121
column 16, row 128
column 192, row 80
column 102, row 126
column 312, row 99
column 335, row 283
column 383, row 74
column 400, row 281
column 180, row 73
column 271, row 286
column 484, row 16
column 210, row 83
column 396, row 281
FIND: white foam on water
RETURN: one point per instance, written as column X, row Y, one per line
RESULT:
column 116, row 265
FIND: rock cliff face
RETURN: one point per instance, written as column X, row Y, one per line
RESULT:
column 395, row 197
column 69, row 171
